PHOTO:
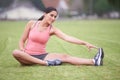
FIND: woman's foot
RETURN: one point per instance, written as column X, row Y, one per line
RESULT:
column 98, row 59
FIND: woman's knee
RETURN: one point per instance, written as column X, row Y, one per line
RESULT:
column 65, row 56
column 16, row 53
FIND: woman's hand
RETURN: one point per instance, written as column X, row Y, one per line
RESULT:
column 22, row 49
column 90, row 46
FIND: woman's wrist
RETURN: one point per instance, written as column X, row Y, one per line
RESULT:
column 86, row 43
column 22, row 49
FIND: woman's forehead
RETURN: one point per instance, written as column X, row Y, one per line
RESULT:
column 53, row 12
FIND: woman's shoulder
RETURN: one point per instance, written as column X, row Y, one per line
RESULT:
column 31, row 23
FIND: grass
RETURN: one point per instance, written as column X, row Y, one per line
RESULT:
column 102, row 33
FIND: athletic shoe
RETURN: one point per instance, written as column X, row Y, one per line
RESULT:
column 99, row 57
column 58, row 62
column 55, row 62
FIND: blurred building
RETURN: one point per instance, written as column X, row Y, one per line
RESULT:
column 21, row 10
column 26, row 10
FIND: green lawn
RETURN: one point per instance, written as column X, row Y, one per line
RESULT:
column 102, row 33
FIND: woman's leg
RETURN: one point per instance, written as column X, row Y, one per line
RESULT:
column 26, row 59
column 70, row 59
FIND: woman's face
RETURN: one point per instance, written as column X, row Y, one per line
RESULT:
column 50, row 17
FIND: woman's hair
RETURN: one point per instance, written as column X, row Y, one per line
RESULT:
column 48, row 10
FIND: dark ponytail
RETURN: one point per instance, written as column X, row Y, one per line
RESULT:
column 41, row 18
column 48, row 10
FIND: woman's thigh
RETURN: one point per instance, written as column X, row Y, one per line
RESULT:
column 62, row 57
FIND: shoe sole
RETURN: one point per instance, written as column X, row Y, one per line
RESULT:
column 101, row 51
column 101, row 56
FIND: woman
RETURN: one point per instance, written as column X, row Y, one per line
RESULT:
column 33, row 42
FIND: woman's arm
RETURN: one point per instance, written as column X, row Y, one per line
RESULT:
column 25, row 35
column 71, row 39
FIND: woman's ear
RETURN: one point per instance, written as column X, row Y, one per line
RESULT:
column 44, row 14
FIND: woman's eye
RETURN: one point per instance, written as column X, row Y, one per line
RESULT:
column 53, row 16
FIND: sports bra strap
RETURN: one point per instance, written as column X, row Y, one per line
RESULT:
column 36, row 23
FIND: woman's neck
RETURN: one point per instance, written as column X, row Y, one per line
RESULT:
column 44, row 24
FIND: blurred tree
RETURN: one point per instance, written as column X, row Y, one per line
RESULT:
column 86, row 2
column 102, row 6
column 115, row 3
column 89, row 6
column 39, row 4
column 5, row 3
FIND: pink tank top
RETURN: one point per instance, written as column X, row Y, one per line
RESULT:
column 37, row 40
